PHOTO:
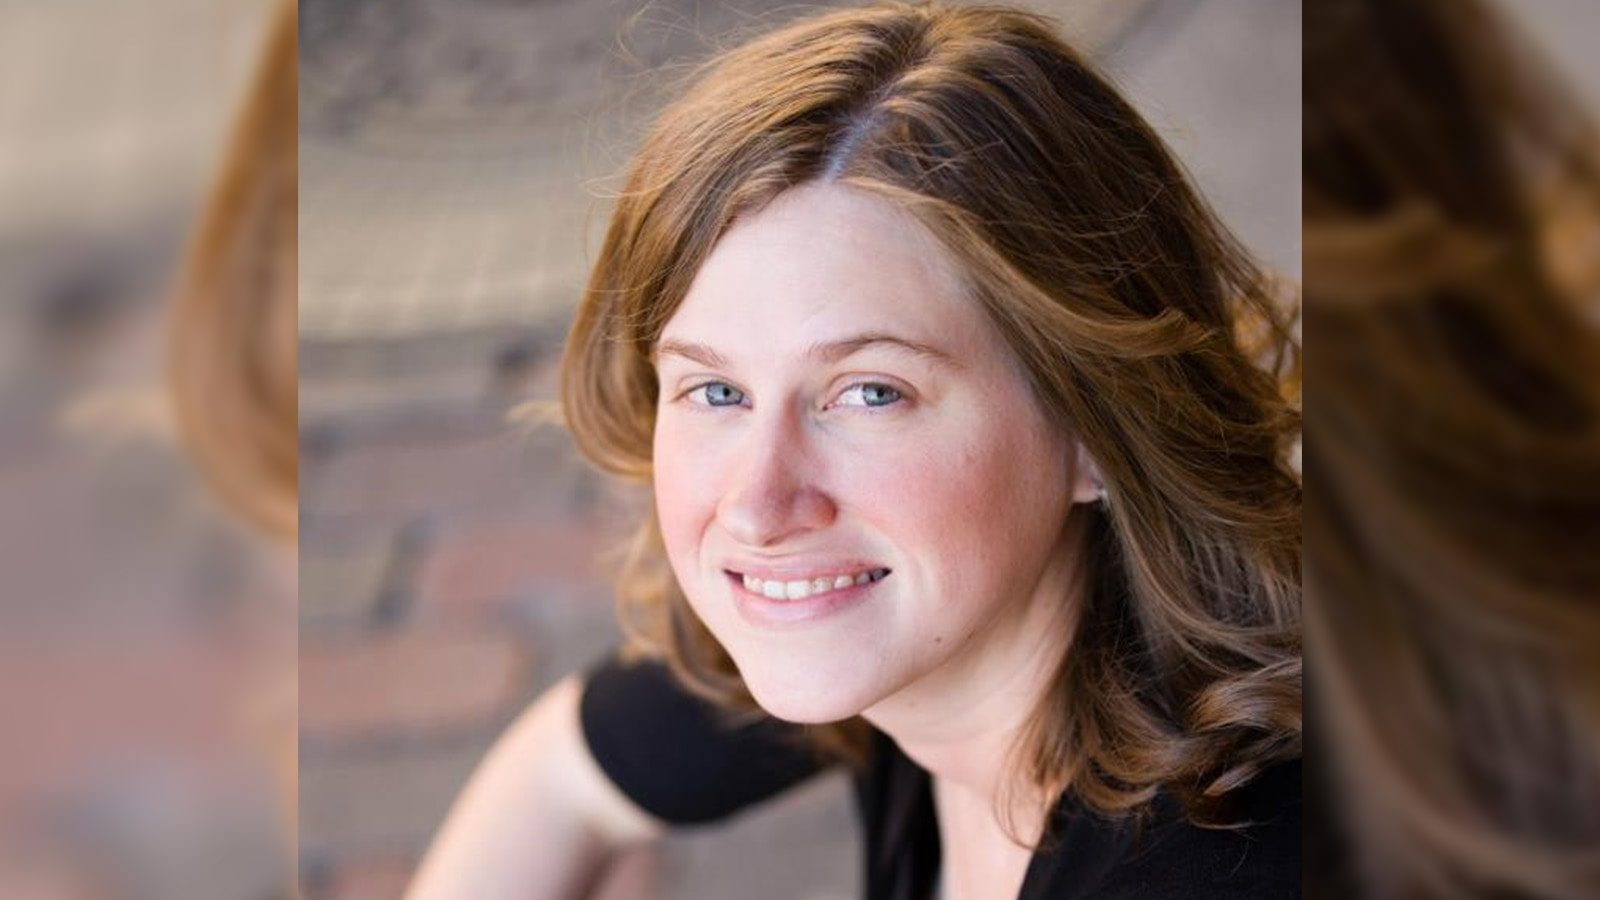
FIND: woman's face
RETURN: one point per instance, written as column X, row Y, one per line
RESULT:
column 856, row 487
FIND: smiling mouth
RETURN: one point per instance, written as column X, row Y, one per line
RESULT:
column 801, row 588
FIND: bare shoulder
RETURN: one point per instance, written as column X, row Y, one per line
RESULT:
column 538, row 819
column 553, row 722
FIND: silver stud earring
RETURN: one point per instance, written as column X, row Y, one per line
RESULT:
column 1101, row 495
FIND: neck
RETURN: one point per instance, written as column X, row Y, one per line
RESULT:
column 979, row 859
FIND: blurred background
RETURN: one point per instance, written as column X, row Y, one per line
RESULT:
column 455, row 164
column 1451, row 300
column 146, row 633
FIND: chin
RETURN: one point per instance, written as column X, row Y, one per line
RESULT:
column 787, row 706
column 803, row 700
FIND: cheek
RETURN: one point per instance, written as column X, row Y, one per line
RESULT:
column 978, row 515
column 683, row 488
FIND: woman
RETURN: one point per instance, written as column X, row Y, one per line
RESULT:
column 966, row 476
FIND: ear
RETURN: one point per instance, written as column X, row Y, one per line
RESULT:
column 1087, row 484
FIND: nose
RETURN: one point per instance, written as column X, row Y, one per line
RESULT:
column 771, row 493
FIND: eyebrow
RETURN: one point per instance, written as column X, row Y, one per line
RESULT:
column 824, row 351
column 689, row 350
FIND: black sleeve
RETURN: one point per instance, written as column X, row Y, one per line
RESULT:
column 679, row 757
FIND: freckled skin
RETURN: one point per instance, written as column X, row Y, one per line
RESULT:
column 960, row 487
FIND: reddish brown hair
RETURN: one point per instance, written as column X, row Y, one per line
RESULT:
column 1455, row 515
column 232, row 366
column 1118, row 290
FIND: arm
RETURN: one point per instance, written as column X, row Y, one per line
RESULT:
column 538, row 820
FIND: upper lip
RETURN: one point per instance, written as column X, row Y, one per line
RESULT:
column 799, row 568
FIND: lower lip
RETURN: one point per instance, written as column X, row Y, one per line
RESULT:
column 765, row 612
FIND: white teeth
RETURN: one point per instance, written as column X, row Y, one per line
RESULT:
column 800, row 589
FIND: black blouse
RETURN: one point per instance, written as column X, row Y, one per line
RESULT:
column 685, row 761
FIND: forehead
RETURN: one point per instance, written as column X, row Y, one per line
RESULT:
column 821, row 260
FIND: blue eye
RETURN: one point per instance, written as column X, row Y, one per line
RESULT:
column 869, row 394
column 718, row 393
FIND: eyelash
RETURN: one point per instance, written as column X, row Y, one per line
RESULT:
column 899, row 395
column 701, row 388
